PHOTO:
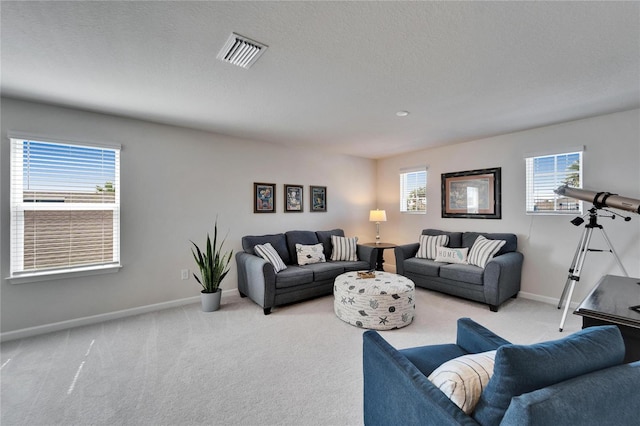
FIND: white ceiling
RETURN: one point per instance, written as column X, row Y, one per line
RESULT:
column 335, row 73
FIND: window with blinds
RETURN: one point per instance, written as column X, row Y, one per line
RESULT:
column 413, row 191
column 65, row 207
column 545, row 174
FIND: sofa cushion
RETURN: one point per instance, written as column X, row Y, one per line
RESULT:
column 483, row 250
column 325, row 238
column 455, row 238
column 520, row 369
column 464, row 378
column 422, row 266
column 310, row 254
column 278, row 241
column 325, row 270
column 466, row 273
column 428, row 358
column 306, row 238
column 359, row 265
column 293, row 276
column 468, row 238
column 268, row 253
column 429, row 245
column 344, row 248
column 452, row 255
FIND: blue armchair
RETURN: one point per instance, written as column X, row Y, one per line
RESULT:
column 576, row 380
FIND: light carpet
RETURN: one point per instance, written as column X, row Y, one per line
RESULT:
column 300, row 365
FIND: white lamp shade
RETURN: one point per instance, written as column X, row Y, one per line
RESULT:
column 377, row 216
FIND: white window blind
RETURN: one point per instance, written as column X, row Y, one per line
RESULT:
column 546, row 173
column 413, row 191
column 65, row 207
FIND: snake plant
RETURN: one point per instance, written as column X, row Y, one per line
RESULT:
column 213, row 264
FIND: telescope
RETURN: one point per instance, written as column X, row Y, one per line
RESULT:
column 601, row 199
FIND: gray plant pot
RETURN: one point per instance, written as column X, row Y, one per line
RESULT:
column 210, row 301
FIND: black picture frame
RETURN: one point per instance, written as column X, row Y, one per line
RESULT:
column 293, row 198
column 472, row 194
column 317, row 198
column 264, row 197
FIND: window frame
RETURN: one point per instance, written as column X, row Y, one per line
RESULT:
column 18, row 206
column 557, row 176
column 404, row 173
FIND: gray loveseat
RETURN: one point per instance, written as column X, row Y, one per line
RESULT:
column 496, row 282
column 258, row 280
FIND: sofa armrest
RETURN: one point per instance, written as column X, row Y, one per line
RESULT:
column 256, row 279
column 604, row 397
column 396, row 392
column 502, row 277
column 403, row 252
column 474, row 338
column 367, row 254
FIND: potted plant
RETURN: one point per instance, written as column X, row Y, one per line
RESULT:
column 213, row 265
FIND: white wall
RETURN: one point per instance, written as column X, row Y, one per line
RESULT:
column 174, row 182
column 611, row 163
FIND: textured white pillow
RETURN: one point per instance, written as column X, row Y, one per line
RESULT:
column 344, row 248
column 452, row 255
column 268, row 253
column 310, row 254
column 483, row 250
column 464, row 378
column 429, row 244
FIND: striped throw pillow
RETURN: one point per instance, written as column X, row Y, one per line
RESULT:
column 268, row 253
column 429, row 245
column 464, row 378
column 344, row 248
column 483, row 250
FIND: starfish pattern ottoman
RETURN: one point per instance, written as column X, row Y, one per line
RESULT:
column 384, row 302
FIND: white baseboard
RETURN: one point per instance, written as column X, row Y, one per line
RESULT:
column 94, row 319
column 544, row 299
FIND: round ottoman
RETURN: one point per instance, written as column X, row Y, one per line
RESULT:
column 384, row 302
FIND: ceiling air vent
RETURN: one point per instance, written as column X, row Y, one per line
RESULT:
column 241, row 51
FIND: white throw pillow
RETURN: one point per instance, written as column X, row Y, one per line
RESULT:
column 344, row 248
column 452, row 255
column 268, row 253
column 464, row 378
column 429, row 244
column 483, row 250
column 310, row 254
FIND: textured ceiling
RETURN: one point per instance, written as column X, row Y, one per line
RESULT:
column 335, row 73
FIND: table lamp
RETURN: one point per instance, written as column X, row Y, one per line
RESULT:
column 377, row 216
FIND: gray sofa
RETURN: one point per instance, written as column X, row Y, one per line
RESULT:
column 258, row 280
column 497, row 282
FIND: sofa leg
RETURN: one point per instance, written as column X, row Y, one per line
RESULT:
column 494, row 308
column 267, row 311
column 242, row 294
column 515, row 296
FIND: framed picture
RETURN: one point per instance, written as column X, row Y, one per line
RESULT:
column 318, row 198
column 293, row 198
column 474, row 194
column 264, row 197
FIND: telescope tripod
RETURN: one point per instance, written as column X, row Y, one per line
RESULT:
column 579, row 257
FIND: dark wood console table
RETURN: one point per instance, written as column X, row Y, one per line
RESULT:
column 609, row 303
column 380, row 256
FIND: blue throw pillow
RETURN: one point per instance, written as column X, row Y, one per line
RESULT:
column 520, row 369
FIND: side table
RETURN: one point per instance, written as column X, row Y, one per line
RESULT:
column 380, row 252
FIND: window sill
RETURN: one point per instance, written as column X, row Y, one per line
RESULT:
column 63, row 274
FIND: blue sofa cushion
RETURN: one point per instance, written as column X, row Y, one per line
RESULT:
column 278, row 241
column 466, row 273
column 325, row 238
column 427, row 267
column 293, row 276
column 591, row 399
column 306, row 238
column 325, row 270
column 588, row 350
